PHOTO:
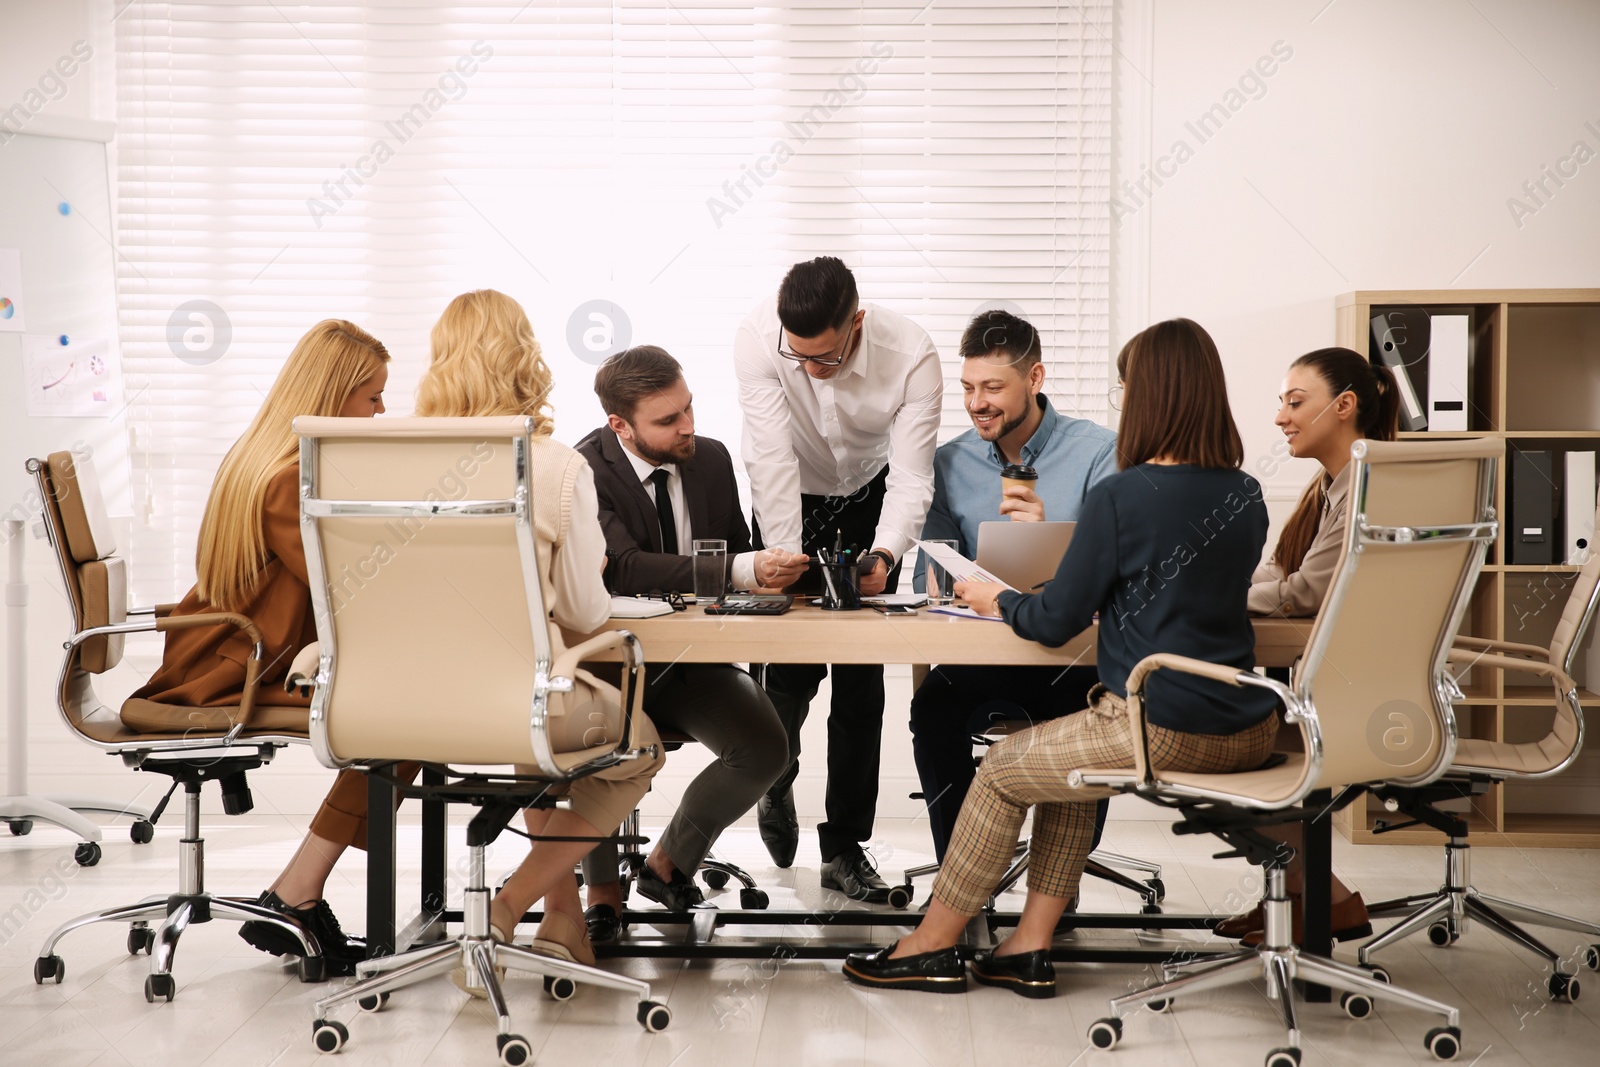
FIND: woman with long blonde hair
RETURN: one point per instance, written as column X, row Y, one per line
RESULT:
column 485, row 361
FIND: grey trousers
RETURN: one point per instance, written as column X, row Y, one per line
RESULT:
column 722, row 708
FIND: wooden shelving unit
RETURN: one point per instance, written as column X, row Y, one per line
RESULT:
column 1534, row 381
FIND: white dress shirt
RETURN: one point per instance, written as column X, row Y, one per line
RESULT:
column 742, row 573
column 582, row 603
column 832, row 437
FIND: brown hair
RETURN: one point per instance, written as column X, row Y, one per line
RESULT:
column 633, row 374
column 998, row 332
column 1377, row 417
column 1175, row 399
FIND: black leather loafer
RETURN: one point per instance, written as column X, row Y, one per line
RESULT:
column 780, row 828
column 605, row 925
column 1027, row 974
column 680, row 894
column 852, row 874
column 927, row 972
column 340, row 951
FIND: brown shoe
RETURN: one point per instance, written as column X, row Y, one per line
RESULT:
column 1237, row 926
column 1348, row 921
column 562, row 937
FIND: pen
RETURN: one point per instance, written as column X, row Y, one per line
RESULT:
column 1044, row 583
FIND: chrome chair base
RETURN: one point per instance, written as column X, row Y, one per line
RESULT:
column 1280, row 962
column 1447, row 913
column 481, row 958
column 1102, row 865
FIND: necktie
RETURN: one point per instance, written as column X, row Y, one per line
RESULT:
column 664, row 515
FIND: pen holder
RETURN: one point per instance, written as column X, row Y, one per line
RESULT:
column 841, row 587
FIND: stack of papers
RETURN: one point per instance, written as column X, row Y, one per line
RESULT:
column 632, row 607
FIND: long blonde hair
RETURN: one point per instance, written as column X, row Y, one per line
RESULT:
column 326, row 366
column 486, row 361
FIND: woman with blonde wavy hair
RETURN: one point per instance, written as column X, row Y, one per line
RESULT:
column 484, row 362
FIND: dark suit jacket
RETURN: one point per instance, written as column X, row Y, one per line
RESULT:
column 628, row 516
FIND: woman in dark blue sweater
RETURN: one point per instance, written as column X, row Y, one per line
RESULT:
column 1163, row 551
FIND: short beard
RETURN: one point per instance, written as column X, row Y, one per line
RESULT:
column 679, row 454
column 1006, row 426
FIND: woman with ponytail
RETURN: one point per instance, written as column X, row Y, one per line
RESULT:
column 1331, row 399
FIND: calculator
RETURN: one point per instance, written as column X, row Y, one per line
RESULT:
column 751, row 604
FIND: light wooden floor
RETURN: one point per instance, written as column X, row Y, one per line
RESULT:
column 236, row 1008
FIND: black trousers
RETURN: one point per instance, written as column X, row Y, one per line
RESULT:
column 955, row 702
column 855, row 714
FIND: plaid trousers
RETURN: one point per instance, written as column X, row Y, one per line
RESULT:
column 1029, row 770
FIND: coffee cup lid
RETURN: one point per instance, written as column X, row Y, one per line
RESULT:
column 1019, row 470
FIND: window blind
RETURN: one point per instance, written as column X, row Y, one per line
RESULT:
column 632, row 171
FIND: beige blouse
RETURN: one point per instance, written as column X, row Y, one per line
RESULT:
column 1274, row 593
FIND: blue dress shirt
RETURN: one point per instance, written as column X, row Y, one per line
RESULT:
column 1070, row 455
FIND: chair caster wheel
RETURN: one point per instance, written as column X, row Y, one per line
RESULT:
column 140, row 939
column 1591, row 958
column 1444, row 933
column 1563, row 988
column 49, row 968
column 1356, row 1005
column 1443, row 1041
column 1283, row 1057
column 20, row 827
column 1378, row 974
column 87, row 854
column 753, row 899
column 514, row 1049
column 654, row 1017
column 1150, row 908
column 1161, row 1005
column 714, row 878
column 313, row 969
column 1105, row 1033
column 1158, row 887
column 160, row 986
column 373, row 1001
column 900, row 897
column 142, row 832
column 329, row 1035
column 561, row 988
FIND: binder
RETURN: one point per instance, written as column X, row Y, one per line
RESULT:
column 1396, row 346
column 1578, row 507
column 1447, row 372
column 1533, row 534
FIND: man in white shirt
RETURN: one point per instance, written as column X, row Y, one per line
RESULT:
column 841, row 407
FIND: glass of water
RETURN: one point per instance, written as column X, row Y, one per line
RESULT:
column 940, row 586
column 710, row 569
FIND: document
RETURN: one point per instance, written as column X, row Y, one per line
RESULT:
column 958, row 566
column 961, row 611
column 630, row 607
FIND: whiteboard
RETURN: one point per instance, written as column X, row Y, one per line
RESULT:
column 69, row 286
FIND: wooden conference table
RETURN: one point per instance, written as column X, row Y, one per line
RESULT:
column 810, row 635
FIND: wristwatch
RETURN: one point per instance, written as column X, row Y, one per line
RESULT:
column 883, row 554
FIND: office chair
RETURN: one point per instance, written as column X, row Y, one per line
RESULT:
column 1371, row 699
column 191, row 746
column 435, row 645
column 1446, row 913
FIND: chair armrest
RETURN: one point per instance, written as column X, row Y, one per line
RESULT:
column 1507, row 647
column 252, row 666
column 1557, row 676
column 160, row 611
column 632, row 673
column 302, row 676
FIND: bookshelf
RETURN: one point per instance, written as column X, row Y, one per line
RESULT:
column 1533, row 380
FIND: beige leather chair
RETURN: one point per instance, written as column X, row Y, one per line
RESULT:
column 1371, row 699
column 190, row 745
column 434, row 645
column 1446, row 913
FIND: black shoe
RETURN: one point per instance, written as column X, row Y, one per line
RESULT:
column 340, row 952
column 928, row 972
column 605, row 925
column 851, row 873
column 780, row 830
column 1028, row 974
column 680, row 894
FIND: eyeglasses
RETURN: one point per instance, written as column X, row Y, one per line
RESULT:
column 833, row 359
column 674, row 599
column 1114, row 395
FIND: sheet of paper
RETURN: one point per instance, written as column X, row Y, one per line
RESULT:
column 960, row 567
column 11, row 302
column 961, row 611
column 74, row 379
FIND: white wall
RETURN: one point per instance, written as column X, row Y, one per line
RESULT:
column 1380, row 155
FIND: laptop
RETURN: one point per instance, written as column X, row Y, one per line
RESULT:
column 1023, row 554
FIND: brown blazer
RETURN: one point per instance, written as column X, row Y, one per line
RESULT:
column 204, row 666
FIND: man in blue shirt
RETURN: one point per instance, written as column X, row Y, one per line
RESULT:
column 1002, row 378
